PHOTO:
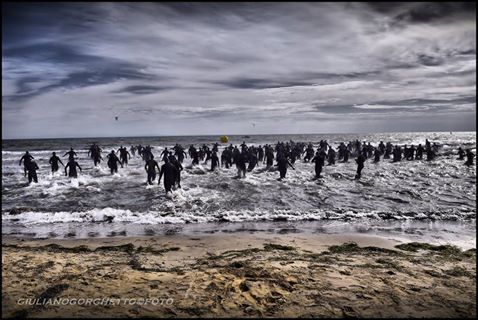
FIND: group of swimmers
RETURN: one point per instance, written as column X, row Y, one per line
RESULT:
column 244, row 157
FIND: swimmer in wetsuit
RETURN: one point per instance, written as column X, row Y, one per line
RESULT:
column 430, row 154
column 309, row 153
column 113, row 162
column 32, row 168
column 469, row 157
column 71, row 154
column 241, row 163
column 54, row 162
column 376, row 155
column 419, row 153
column 346, row 155
column 26, row 158
column 124, row 154
column 260, row 155
column 319, row 160
column 168, row 170
column 95, row 153
column 214, row 161
column 282, row 163
column 269, row 157
column 252, row 161
column 360, row 165
column 72, row 164
column 150, row 168
column 180, row 153
column 179, row 167
column 194, row 155
column 331, row 157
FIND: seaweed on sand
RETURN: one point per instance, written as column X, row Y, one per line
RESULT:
column 446, row 251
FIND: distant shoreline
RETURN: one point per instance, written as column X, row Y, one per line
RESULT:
column 233, row 135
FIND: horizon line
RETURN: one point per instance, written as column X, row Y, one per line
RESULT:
column 230, row 135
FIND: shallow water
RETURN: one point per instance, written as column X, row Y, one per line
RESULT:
column 444, row 189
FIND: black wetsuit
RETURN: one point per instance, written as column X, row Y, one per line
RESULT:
column 260, row 153
column 319, row 160
column 226, row 158
column 360, row 161
column 461, row 154
column 71, row 154
column 113, row 162
column 388, row 151
column 282, row 164
column 181, row 155
column 269, row 158
column 430, row 154
column 54, row 163
column 346, row 155
column 26, row 158
column 195, row 156
column 147, row 153
column 411, row 153
column 208, row 155
column 241, row 164
column 179, row 168
column 124, row 155
column 32, row 168
column 381, row 147
column 331, row 157
column 469, row 158
column 376, row 156
column 72, row 164
column 419, row 153
column 96, row 158
column 150, row 168
column 252, row 162
column 169, row 172
column 95, row 153
column 397, row 154
column 214, row 161
column 165, row 154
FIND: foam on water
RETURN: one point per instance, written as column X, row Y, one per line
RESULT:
column 443, row 189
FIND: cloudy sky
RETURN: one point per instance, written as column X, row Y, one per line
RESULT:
column 236, row 68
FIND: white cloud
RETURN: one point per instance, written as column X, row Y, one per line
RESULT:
column 223, row 66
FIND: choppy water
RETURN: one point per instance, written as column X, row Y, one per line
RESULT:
column 444, row 189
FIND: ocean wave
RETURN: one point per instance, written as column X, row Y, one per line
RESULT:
column 440, row 189
column 27, row 217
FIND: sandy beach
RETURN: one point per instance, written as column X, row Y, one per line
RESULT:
column 236, row 275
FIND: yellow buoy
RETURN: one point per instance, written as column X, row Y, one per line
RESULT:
column 224, row 139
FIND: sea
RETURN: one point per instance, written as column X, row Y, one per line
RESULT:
column 417, row 200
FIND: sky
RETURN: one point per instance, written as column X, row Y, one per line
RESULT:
column 165, row 69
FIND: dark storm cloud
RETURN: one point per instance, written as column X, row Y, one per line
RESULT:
column 431, row 12
column 105, row 74
column 424, row 12
column 430, row 61
column 408, row 105
column 252, row 83
column 140, row 89
column 235, row 63
column 98, row 69
column 51, row 52
column 299, row 79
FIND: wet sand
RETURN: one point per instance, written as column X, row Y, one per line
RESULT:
column 236, row 275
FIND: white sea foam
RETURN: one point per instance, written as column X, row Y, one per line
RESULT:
column 442, row 189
